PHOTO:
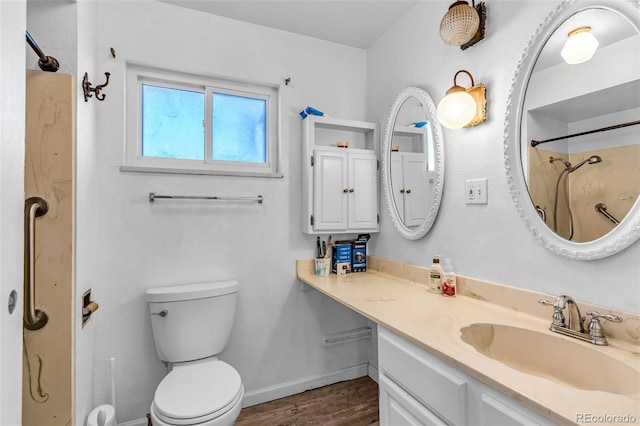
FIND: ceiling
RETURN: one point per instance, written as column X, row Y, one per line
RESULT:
column 356, row 23
column 607, row 26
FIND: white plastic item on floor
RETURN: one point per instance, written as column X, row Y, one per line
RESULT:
column 102, row 415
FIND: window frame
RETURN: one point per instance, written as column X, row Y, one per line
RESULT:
column 134, row 161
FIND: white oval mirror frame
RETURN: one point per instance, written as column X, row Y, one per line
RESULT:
column 425, row 100
column 628, row 231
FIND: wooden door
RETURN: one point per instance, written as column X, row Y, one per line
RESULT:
column 47, row 397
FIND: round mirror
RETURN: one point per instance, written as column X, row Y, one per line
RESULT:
column 571, row 146
column 413, row 163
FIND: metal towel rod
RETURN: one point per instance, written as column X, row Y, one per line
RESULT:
column 153, row 196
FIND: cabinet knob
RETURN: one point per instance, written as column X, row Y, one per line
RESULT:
column 345, row 190
column 402, row 191
column 351, row 190
column 408, row 191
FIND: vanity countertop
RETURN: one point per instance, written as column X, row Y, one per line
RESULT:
column 394, row 295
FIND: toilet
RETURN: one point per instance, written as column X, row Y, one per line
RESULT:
column 191, row 324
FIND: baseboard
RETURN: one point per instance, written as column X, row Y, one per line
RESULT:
column 293, row 387
column 373, row 373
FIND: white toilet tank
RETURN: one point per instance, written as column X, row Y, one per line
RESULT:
column 192, row 321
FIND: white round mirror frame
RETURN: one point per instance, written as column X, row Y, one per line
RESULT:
column 628, row 231
column 430, row 109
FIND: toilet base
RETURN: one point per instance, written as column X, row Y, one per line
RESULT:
column 227, row 419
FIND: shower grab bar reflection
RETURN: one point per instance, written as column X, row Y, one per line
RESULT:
column 534, row 142
column 602, row 208
column 33, row 319
column 153, row 196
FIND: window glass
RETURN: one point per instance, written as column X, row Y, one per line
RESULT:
column 194, row 124
column 239, row 128
column 172, row 123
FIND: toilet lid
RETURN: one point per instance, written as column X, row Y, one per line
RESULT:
column 197, row 390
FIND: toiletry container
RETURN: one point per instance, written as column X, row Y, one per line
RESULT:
column 436, row 275
column 191, row 324
column 449, row 282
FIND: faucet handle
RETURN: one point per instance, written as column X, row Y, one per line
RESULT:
column 595, row 315
column 558, row 316
column 595, row 328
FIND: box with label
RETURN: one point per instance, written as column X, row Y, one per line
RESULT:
column 359, row 256
column 341, row 257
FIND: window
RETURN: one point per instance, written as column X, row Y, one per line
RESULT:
column 178, row 123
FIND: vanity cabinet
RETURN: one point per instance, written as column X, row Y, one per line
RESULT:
column 339, row 185
column 417, row 388
column 411, row 184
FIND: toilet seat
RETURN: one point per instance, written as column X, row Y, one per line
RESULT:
column 197, row 392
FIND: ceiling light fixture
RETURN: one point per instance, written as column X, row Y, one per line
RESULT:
column 463, row 25
column 580, row 46
column 463, row 107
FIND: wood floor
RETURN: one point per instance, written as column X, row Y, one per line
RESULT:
column 353, row 403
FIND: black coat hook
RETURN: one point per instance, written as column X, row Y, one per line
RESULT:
column 86, row 87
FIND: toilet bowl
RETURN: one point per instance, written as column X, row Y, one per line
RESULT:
column 207, row 392
column 191, row 324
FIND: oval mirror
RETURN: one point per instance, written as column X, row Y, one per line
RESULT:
column 571, row 147
column 413, row 163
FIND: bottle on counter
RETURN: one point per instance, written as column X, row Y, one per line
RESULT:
column 436, row 275
column 449, row 281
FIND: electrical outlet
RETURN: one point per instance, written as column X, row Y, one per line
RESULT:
column 475, row 191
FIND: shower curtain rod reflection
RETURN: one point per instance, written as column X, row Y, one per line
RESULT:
column 534, row 142
column 46, row 63
column 153, row 196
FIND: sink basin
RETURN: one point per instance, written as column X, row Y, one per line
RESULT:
column 552, row 357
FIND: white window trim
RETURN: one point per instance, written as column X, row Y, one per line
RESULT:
column 135, row 162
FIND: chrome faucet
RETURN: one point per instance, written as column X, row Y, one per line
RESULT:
column 594, row 333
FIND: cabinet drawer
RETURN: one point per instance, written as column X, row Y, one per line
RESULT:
column 398, row 408
column 428, row 379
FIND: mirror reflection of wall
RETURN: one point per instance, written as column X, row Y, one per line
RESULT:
column 568, row 177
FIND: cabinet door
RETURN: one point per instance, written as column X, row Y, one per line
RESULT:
column 363, row 191
column 397, row 187
column 415, row 181
column 398, row 408
column 330, row 190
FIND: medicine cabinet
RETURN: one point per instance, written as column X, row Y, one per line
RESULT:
column 339, row 184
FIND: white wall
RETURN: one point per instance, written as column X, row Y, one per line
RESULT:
column 88, row 203
column 485, row 241
column 12, row 131
column 276, row 336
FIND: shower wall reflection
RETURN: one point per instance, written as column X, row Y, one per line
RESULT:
column 568, row 192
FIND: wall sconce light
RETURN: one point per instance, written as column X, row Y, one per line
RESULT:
column 463, row 107
column 580, row 46
column 463, row 25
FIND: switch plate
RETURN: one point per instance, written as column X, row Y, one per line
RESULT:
column 475, row 191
